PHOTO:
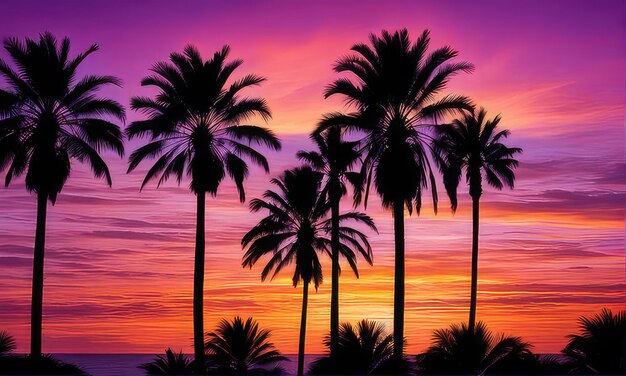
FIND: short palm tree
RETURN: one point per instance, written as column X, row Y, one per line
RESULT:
column 195, row 127
column 171, row 364
column 601, row 345
column 361, row 350
column 474, row 145
column 49, row 117
column 241, row 348
column 334, row 159
column 457, row 350
column 393, row 88
column 296, row 230
column 7, row 343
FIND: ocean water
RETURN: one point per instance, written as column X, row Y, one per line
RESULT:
column 127, row 364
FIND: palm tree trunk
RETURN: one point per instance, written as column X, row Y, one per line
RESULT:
column 305, row 302
column 398, row 290
column 37, row 291
column 475, row 220
column 198, row 288
column 334, row 299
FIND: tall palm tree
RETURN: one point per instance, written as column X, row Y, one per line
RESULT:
column 241, row 348
column 457, row 350
column 362, row 349
column 48, row 117
column 195, row 127
column 601, row 345
column 334, row 159
column 393, row 88
column 296, row 230
column 474, row 145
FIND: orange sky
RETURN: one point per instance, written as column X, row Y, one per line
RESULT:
column 119, row 262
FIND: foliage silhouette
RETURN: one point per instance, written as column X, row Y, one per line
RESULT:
column 393, row 90
column 170, row 364
column 474, row 145
column 43, row 365
column 531, row 364
column 241, row 348
column 457, row 350
column 601, row 345
column 296, row 230
column 362, row 350
column 194, row 127
column 7, row 343
column 48, row 117
column 334, row 158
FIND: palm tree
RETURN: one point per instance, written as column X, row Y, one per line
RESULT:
column 195, row 127
column 393, row 91
column 361, row 350
column 170, row 364
column 458, row 350
column 49, row 117
column 241, row 348
column 474, row 145
column 601, row 345
column 7, row 343
column 295, row 230
column 334, row 159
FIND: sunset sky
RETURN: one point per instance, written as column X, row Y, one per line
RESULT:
column 119, row 262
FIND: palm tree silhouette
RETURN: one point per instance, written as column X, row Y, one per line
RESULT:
column 241, row 348
column 601, row 345
column 47, row 118
column 474, row 145
column 334, row 159
column 194, row 126
column 171, row 364
column 362, row 349
column 7, row 343
column 295, row 230
column 459, row 351
column 394, row 88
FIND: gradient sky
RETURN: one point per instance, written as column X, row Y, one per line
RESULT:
column 119, row 262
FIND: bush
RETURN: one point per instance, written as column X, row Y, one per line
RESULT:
column 170, row 364
column 241, row 347
column 7, row 343
column 363, row 349
column 601, row 345
column 46, row 365
column 456, row 350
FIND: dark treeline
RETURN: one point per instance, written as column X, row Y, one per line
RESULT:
column 404, row 128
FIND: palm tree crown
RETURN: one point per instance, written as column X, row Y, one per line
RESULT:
column 173, row 363
column 601, row 345
column 458, row 350
column 474, row 144
column 296, row 229
column 48, row 116
column 195, row 122
column 240, row 347
column 394, row 87
column 334, row 159
column 7, row 343
column 361, row 350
